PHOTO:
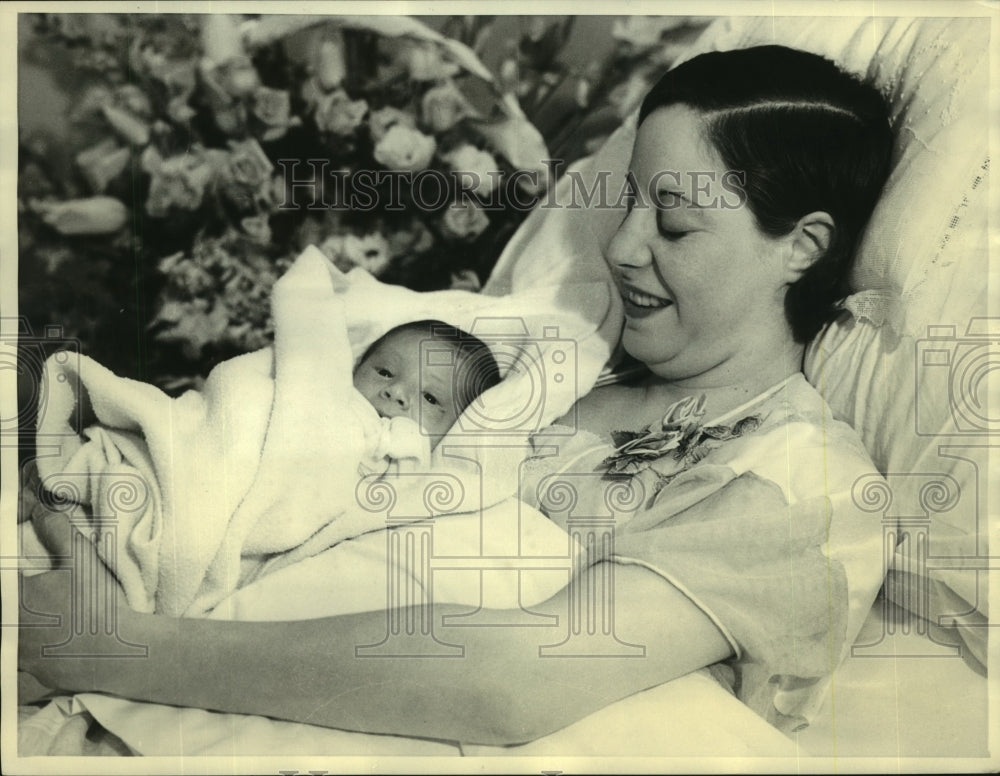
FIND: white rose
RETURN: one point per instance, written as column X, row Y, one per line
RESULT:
column 426, row 62
column 444, row 106
column 339, row 114
column 464, row 220
column 404, row 148
column 481, row 166
column 382, row 120
column 370, row 252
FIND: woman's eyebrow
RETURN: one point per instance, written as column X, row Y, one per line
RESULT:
column 691, row 205
column 680, row 195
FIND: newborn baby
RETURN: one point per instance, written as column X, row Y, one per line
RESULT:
column 457, row 367
column 239, row 522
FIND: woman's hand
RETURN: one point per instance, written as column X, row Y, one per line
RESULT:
column 71, row 619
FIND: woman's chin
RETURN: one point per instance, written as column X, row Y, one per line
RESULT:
column 643, row 344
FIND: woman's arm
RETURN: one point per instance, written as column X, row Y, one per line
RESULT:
column 499, row 692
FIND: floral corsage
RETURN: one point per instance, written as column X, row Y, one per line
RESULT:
column 674, row 444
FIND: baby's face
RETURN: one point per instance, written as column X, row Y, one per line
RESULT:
column 393, row 381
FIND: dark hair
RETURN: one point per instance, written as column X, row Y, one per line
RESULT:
column 476, row 368
column 807, row 136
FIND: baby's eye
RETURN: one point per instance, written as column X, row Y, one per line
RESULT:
column 383, row 372
column 430, row 398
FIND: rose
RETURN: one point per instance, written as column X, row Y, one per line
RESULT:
column 370, row 252
column 257, row 228
column 413, row 239
column 339, row 114
column 133, row 99
column 102, row 163
column 185, row 275
column 247, row 173
column 404, row 148
column 273, row 108
column 481, row 167
column 444, row 106
column 178, row 109
column 426, row 62
column 238, row 77
column 180, row 180
column 224, row 85
column 94, row 215
column 181, row 80
column 464, row 220
column 146, row 59
column 384, row 119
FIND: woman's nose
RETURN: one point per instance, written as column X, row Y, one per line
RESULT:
column 628, row 247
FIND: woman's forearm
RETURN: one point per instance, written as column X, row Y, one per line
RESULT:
column 307, row 671
column 499, row 690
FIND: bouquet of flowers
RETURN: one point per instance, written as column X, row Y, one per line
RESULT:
column 209, row 150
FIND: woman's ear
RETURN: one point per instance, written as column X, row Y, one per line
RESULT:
column 810, row 240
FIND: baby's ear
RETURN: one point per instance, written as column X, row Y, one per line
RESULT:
column 810, row 240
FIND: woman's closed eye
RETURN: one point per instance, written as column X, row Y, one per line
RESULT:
column 668, row 227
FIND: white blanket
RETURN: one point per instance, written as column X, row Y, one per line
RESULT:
column 194, row 496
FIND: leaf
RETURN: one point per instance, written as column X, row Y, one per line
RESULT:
column 619, row 438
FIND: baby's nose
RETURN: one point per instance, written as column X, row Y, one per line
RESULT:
column 397, row 394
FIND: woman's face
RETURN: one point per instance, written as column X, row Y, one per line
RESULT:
column 701, row 283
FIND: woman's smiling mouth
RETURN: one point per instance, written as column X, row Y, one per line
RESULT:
column 639, row 303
